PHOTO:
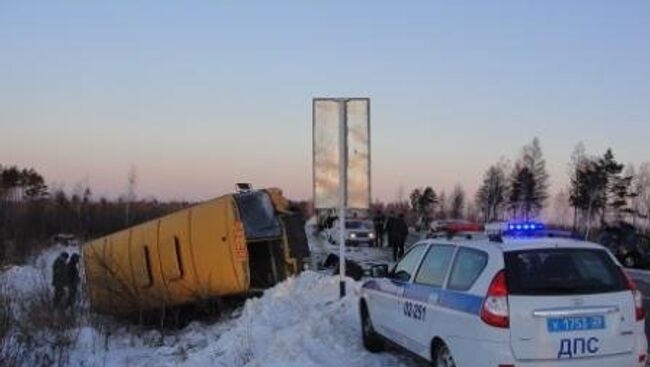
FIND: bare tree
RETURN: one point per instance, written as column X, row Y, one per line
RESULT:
column 576, row 163
column 634, row 203
column 643, row 191
column 443, row 206
column 561, row 210
column 457, row 204
column 132, row 180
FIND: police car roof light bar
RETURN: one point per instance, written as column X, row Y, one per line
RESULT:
column 535, row 229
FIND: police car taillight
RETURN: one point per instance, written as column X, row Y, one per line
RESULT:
column 495, row 310
column 638, row 296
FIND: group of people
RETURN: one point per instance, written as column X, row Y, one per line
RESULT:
column 65, row 279
column 395, row 228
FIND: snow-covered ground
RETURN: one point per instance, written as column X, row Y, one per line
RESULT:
column 300, row 322
column 27, row 279
column 363, row 255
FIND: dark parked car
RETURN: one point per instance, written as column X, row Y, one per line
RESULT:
column 630, row 247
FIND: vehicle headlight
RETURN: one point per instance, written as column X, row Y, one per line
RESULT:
column 371, row 235
column 353, row 235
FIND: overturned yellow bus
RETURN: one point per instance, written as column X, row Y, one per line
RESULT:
column 232, row 245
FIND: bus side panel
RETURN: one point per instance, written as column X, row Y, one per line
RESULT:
column 211, row 238
column 93, row 252
column 176, row 260
column 147, row 274
column 124, row 296
column 109, row 273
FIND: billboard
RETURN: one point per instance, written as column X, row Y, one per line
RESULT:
column 327, row 115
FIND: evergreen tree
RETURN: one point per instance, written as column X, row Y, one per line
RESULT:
column 492, row 193
column 529, row 183
column 422, row 203
column 428, row 200
column 617, row 191
column 10, row 181
column 34, row 184
column 415, row 200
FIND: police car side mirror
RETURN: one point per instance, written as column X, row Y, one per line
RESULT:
column 379, row 271
column 401, row 276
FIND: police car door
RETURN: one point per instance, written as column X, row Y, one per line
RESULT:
column 391, row 290
column 420, row 303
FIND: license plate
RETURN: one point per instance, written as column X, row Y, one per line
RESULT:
column 577, row 323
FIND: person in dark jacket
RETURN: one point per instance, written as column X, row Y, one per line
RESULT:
column 59, row 278
column 397, row 234
column 72, row 278
column 388, row 227
column 379, row 222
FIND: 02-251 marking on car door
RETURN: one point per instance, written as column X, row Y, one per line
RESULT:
column 415, row 311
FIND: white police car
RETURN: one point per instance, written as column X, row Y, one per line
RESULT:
column 528, row 298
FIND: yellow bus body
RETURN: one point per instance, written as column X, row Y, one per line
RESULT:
column 198, row 253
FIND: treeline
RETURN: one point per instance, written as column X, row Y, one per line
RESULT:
column 601, row 191
column 517, row 191
column 604, row 191
column 31, row 213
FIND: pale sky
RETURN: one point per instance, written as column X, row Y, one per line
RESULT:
column 198, row 95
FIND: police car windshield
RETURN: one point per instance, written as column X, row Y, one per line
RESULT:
column 561, row 272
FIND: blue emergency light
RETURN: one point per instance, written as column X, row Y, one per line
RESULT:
column 526, row 227
column 532, row 229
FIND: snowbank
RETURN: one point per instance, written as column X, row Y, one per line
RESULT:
column 300, row 322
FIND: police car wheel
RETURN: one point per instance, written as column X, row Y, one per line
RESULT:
column 443, row 357
column 371, row 340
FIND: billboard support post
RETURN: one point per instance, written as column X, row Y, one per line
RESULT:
column 343, row 189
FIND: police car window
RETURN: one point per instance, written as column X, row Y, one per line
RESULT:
column 434, row 266
column 562, row 271
column 405, row 268
column 469, row 264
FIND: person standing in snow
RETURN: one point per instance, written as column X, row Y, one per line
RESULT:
column 59, row 277
column 72, row 278
column 389, row 228
column 379, row 222
column 403, row 232
column 397, row 232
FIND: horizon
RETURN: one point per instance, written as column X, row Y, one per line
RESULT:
column 201, row 95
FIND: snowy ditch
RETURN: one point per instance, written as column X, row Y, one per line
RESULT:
column 300, row 322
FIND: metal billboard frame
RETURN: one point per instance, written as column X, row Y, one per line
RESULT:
column 345, row 101
column 343, row 167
